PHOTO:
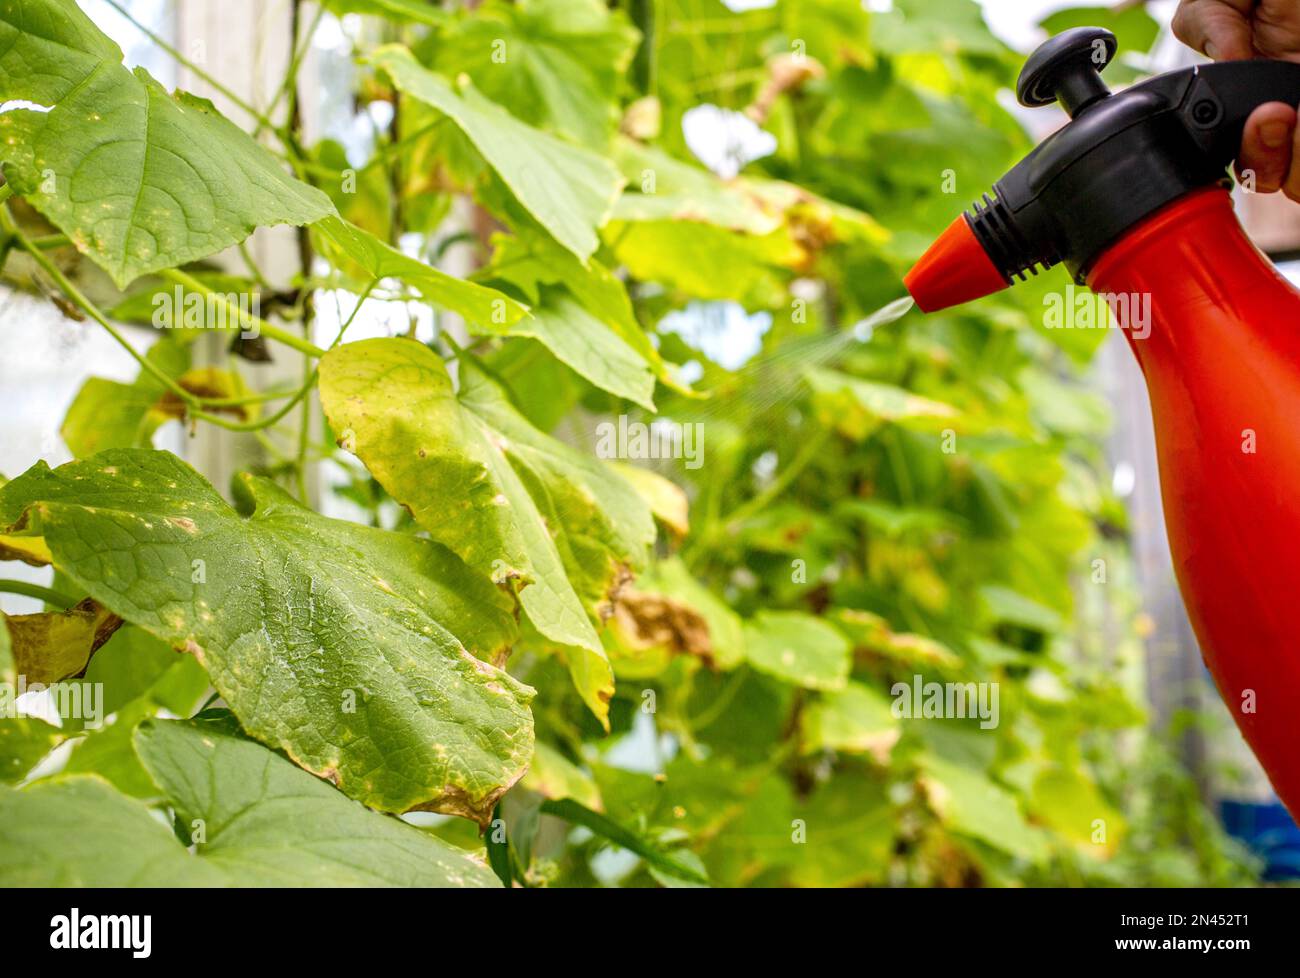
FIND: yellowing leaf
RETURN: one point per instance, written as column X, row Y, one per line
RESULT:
column 1069, row 803
column 555, row 524
column 665, row 498
column 53, row 645
column 30, row 550
column 110, row 414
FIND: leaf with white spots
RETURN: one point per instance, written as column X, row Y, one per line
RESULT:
column 364, row 655
column 137, row 178
column 798, row 648
column 254, row 819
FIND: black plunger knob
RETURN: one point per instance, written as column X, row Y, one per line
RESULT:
column 1067, row 68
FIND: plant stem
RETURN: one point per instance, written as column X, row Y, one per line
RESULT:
column 252, row 265
column 193, row 402
column 260, row 423
column 259, row 398
column 46, row 594
column 265, row 328
column 48, row 241
column 289, row 85
column 299, row 394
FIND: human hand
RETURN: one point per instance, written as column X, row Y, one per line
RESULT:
column 1228, row 30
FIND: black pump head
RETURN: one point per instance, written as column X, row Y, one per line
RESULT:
column 1068, row 69
column 1120, row 158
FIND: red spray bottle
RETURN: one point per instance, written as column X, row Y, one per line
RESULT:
column 1131, row 195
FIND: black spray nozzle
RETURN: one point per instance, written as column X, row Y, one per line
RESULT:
column 1122, row 156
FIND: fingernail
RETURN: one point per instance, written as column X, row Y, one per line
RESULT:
column 1274, row 135
column 1211, row 51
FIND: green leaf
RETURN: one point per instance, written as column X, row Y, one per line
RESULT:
column 412, row 11
column 849, row 829
column 478, row 304
column 530, row 261
column 569, row 190
column 797, row 648
column 582, row 342
column 927, row 26
column 559, row 62
column 676, row 865
column 896, row 522
column 136, row 675
column 138, row 179
column 109, row 752
column 1067, row 801
column 24, row 741
column 1006, row 605
column 704, row 261
column 352, row 649
column 262, row 822
column 1133, row 26
column 857, row 720
column 970, row 804
column 134, row 664
column 553, row 775
column 79, row 831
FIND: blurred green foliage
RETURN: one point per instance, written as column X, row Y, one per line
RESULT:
column 928, row 501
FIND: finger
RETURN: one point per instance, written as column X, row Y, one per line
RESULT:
column 1266, row 147
column 1219, row 29
column 1291, row 186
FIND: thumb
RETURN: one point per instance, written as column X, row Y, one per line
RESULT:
column 1219, row 29
column 1266, row 146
